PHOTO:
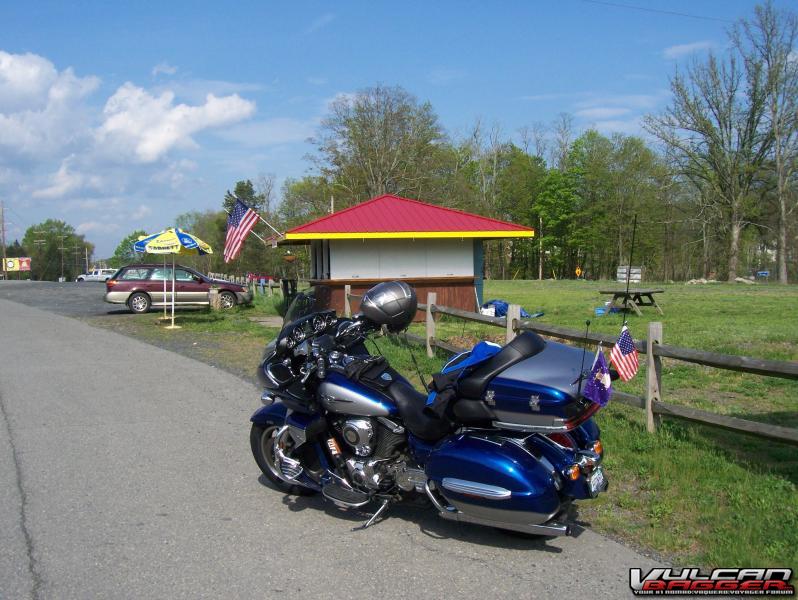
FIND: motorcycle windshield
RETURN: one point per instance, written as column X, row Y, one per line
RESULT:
column 312, row 300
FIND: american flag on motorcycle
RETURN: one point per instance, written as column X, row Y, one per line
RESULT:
column 624, row 355
column 239, row 223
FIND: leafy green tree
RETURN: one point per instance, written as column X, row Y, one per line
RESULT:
column 53, row 243
column 381, row 140
column 247, row 194
column 714, row 129
column 16, row 249
column 306, row 199
column 124, row 253
column 769, row 40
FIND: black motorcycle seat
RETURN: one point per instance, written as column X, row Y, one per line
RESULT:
column 523, row 346
column 411, row 403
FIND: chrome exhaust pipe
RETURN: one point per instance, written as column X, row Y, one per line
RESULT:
column 552, row 528
column 450, row 513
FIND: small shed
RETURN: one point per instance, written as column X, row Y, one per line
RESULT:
column 432, row 248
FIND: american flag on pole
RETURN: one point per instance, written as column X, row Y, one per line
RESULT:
column 624, row 355
column 239, row 223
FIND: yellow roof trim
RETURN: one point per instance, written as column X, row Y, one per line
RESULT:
column 376, row 235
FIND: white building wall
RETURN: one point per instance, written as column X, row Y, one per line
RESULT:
column 382, row 259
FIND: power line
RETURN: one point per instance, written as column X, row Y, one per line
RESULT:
column 657, row 10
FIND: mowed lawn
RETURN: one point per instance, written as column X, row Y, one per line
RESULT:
column 696, row 495
column 699, row 495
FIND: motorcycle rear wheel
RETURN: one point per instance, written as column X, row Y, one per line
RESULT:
column 261, row 439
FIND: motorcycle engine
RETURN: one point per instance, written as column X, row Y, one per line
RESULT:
column 375, row 443
column 359, row 434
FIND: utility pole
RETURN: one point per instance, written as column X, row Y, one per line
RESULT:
column 332, row 204
column 63, row 237
column 3, row 240
column 540, row 251
column 86, row 249
column 38, row 245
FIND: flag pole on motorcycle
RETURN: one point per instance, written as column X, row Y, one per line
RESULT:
column 624, row 353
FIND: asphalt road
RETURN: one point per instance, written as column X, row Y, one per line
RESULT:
column 70, row 298
column 127, row 473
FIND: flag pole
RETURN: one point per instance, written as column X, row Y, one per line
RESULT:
column 257, row 215
column 582, row 367
column 629, row 273
column 265, row 243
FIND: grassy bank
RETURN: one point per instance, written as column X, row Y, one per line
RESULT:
column 695, row 494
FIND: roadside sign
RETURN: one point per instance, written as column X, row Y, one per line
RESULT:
column 18, row 264
column 578, row 271
column 763, row 273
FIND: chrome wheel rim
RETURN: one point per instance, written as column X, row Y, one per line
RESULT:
column 227, row 301
column 267, row 440
column 139, row 303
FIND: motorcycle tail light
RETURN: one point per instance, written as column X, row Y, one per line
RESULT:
column 572, row 472
column 561, row 439
column 597, row 447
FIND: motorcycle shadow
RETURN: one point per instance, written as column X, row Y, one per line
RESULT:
column 421, row 512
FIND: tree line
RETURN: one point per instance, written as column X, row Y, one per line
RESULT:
column 712, row 179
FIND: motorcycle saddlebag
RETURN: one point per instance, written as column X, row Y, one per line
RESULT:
column 494, row 479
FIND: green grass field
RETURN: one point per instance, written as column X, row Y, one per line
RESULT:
column 695, row 494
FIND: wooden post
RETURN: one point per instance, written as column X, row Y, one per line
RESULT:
column 347, row 306
column 432, row 297
column 653, row 375
column 513, row 314
column 214, row 300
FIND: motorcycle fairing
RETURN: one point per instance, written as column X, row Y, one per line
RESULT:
column 273, row 414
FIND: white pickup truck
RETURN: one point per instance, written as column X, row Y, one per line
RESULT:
column 97, row 275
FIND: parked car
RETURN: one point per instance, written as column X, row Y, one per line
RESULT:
column 141, row 287
column 97, row 275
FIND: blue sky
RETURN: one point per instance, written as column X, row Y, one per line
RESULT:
column 117, row 116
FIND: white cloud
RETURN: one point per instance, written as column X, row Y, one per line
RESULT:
column 96, row 226
column 141, row 211
column 628, row 126
column 163, row 68
column 602, row 112
column 443, row 76
column 42, row 110
column 175, row 174
column 630, row 101
column 195, row 91
column 145, row 127
column 270, row 132
column 317, row 80
column 24, row 81
column 66, row 180
column 682, row 50
column 320, row 23
column 551, row 96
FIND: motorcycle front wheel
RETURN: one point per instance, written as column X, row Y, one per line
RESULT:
column 261, row 439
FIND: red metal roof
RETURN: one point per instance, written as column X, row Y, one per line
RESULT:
column 391, row 216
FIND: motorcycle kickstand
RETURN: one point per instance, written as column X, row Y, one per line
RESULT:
column 374, row 517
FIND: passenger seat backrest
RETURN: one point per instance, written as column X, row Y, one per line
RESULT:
column 523, row 346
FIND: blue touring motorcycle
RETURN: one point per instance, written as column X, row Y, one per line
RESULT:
column 503, row 438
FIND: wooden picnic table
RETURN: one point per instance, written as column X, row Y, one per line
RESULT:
column 635, row 298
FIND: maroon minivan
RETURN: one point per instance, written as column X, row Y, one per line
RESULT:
column 142, row 287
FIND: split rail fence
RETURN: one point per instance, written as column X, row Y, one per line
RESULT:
column 652, row 348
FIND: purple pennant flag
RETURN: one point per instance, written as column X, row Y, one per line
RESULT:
column 598, row 386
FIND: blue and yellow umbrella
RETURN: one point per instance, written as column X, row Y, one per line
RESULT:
column 171, row 241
